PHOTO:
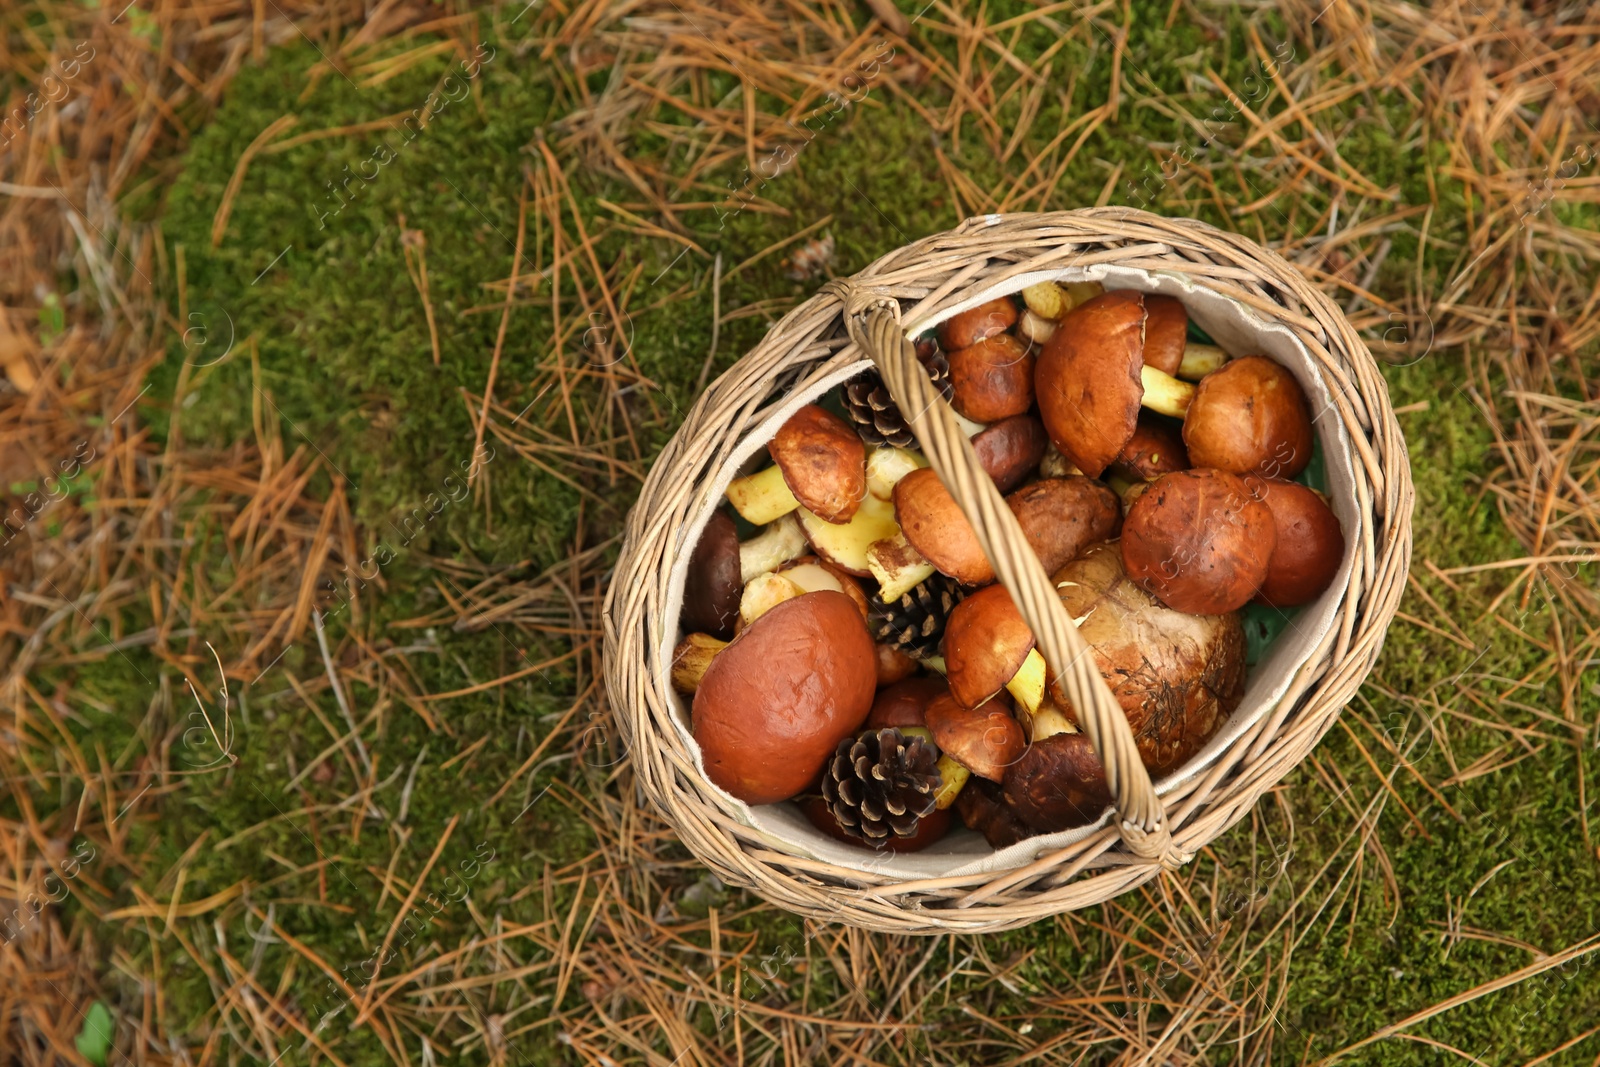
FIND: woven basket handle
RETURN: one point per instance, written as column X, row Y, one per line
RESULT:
column 1144, row 825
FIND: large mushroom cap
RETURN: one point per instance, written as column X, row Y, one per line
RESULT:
column 775, row 703
column 715, row 581
column 1175, row 675
column 985, row 740
column 904, row 704
column 1199, row 540
column 824, row 463
column 1250, row 417
column 1166, row 332
column 1156, row 448
column 1011, row 449
column 976, row 324
column 1058, row 783
column 992, row 380
column 1087, row 379
column 1310, row 545
column 985, row 642
column 933, row 523
column 1060, row 516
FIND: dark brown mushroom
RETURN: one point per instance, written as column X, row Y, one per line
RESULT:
column 824, row 463
column 714, row 582
column 1058, row 783
column 1156, row 448
column 987, row 644
column 774, row 704
column 982, row 807
column 1011, row 449
column 984, row 740
column 1310, row 545
column 976, row 324
column 1199, row 540
column 893, row 665
column 904, row 705
column 992, row 379
column 934, row 525
column 1060, row 516
column 930, row 828
column 1250, row 417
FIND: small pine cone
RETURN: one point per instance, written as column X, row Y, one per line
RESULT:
column 915, row 623
column 881, row 784
column 867, row 400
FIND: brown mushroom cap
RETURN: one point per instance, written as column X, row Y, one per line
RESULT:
column 824, row 463
column 1166, row 332
column 893, row 664
column 985, row 642
column 1250, row 417
column 992, row 379
column 1011, row 449
column 775, row 703
column 934, row 525
column 1310, row 546
column 714, row 582
column 904, row 704
column 1175, row 675
column 933, row 826
column 976, row 324
column 985, row 741
column 1060, row 516
column 1199, row 540
column 1087, row 379
column 1058, row 783
column 982, row 807
column 1156, row 448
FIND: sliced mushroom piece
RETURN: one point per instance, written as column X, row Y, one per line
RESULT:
column 1011, row 449
column 1310, row 545
column 989, row 647
column 845, row 545
column 1250, row 417
column 691, row 658
column 986, row 741
column 992, row 379
column 1060, row 516
column 765, row 592
column 813, row 575
column 775, row 703
column 934, row 525
column 977, row 324
column 714, row 582
column 1199, row 540
column 897, row 566
column 824, row 463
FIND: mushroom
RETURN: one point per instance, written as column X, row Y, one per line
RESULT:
column 691, row 658
column 982, row 807
column 1059, row 516
column 991, row 379
column 1250, row 417
column 904, row 705
column 977, row 324
column 847, row 545
column 812, row 575
column 763, row 594
column 1310, row 545
column 1057, row 783
column 1156, row 448
column 989, row 647
column 1011, row 449
column 893, row 664
column 1052, row 300
column 1175, row 675
column 821, row 465
column 715, row 581
column 1092, row 377
column 984, row 741
column 934, row 526
column 776, row 544
column 1199, row 540
column 1035, row 327
column 897, row 566
column 774, row 704
column 930, row 828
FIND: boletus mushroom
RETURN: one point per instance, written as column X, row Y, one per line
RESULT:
column 977, row 324
column 775, row 703
column 1059, row 516
column 721, row 566
column 1250, row 417
column 1199, row 540
column 1011, row 449
column 1175, row 675
column 1057, row 783
column 982, row 807
column 984, row 740
column 1310, row 545
column 992, row 379
column 1156, row 448
column 692, row 658
column 935, row 527
column 989, row 647
column 820, row 464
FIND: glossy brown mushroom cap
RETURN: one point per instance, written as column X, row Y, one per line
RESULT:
column 934, row 525
column 1156, row 448
column 1060, row 517
column 982, row 807
column 1087, row 379
column 985, row 741
column 775, row 703
column 992, row 380
column 904, row 704
column 1199, row 540
column 1058, row 783
column 976, row 324
column 1310, row 546
column 714, row 582
column 893, row 665
column 1011, row 449
column 1250, row 417
column 985, row 642
column 1166, row 332
column 1176, row 676
column 933, row 826
column 824, row 463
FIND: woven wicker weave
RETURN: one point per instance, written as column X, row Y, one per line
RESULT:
column 859, row 318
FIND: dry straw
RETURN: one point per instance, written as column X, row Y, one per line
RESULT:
column 856, row 318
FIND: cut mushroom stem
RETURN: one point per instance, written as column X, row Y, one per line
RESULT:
column 762, row 497
column 691, row 658
column 781, row 541
column 1047, row 720
column 1027, row 685
column 897, row 566
column 763, row 594
column 1200, row 360
column 1163, row 394
column 952, row 777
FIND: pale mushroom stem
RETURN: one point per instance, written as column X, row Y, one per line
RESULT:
column 781, row 541
column 1027, row 685
column 952, row 777
column 762, row 497
column 1047, row 721
column 1163, row 394
column 690, row 660
column 1200, row 360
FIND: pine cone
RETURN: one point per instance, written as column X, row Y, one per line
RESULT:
column 881, row 784
column 869, row 406
column 915, row 623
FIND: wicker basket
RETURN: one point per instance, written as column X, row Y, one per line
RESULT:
column 873, row 315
